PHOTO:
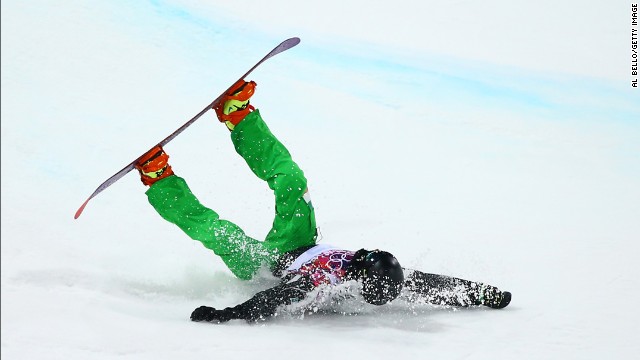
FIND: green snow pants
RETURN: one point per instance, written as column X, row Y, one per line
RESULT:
column 294, row 225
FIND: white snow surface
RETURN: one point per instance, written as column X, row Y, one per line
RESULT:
column 496, row 141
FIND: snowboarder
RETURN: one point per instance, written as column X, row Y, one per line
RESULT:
column 289, row 250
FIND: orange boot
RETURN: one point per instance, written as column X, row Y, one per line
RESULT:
column 234, row 106
column 154, row 166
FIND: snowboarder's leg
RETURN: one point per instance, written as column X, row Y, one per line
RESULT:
column 174, row 201
column 451, row 291
column 294, row 225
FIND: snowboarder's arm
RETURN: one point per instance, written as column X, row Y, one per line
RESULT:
column 452, row 291
column 260, row 306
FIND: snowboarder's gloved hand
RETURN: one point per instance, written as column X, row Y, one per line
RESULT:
column 206, row 313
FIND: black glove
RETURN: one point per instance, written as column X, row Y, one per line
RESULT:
column 206, row 313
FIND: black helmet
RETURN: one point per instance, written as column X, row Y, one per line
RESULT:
column 381, row 274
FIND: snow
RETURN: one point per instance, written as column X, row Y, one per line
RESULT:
column 496, row 142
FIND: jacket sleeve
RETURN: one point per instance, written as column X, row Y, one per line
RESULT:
column 261, row 306
column 448, row 290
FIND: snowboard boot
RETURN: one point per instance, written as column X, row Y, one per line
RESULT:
column 154, row 166
column 234, row 106
column 492, row 297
